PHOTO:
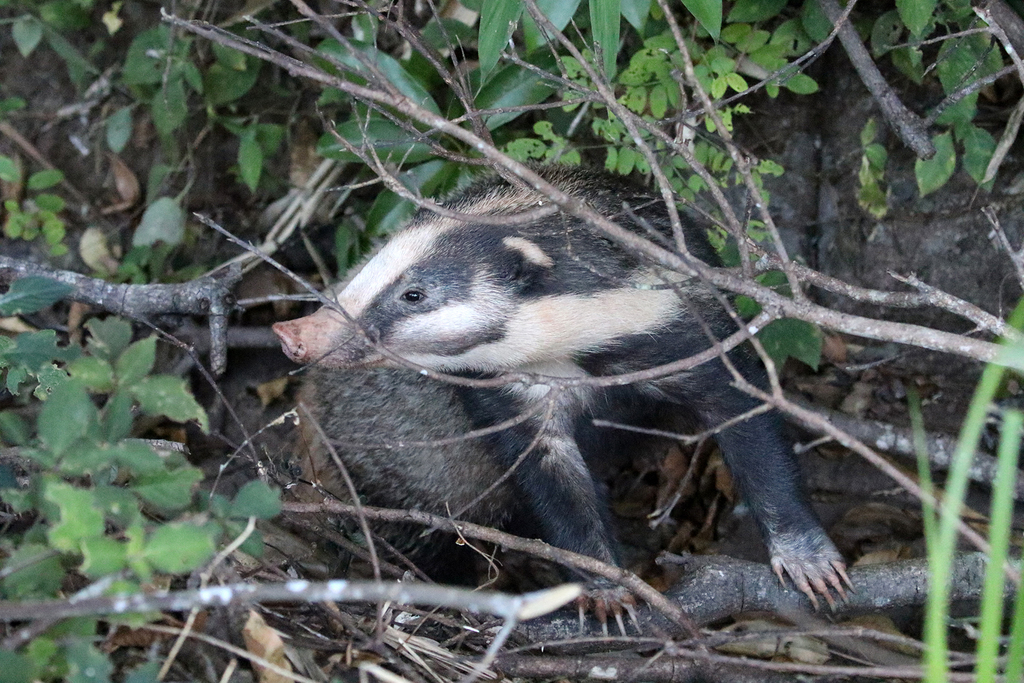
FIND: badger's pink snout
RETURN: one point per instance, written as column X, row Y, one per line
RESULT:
column 324, row 337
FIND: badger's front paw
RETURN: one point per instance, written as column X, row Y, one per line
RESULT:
column 603, row 598
column 813, row 564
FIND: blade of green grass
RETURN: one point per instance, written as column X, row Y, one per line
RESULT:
column 1000, row 524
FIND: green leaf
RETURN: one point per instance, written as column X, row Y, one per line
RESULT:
column 605, row 25
column 79, row 68
column 933, row 173
column 31, row 294
column 788, row 338
column 17, row 668
column 39, row 572
column 390, row 67
column 109, row 337
column 102, row 556
column 250, row 159
column 512, row 86
column 909, row 60
column 256, row 499
column 658, row 102
column 223, row 84
column 146, row 59
column 498, row 19
column 886, row 33
column 9, row 171
column 86, row 664
column 168, row 490
column 392, row 143
column 636, row 12
column 754, row 10
column 93, row 373
column 119, row 129
column 163, row 221
column 14, row 429
column 117, row 416
column 178, row 548
column 66, row 416
column 168, row 396
column 146, row 673
column 708, row 13
column 137, row 456
column 49, row 202
column 26, row 31
column 79, row 518
column 169, row 106
column 979, row 146
column 814, row 22
column 136, row 362
column 49, row 377
column 42, row 180
column 801, row 84
column 916, row 14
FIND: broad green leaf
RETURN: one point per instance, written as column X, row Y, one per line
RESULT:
column 933, row 173
column 109, row 337
column 17, row 668
column 117, row 416
column 391, row 143
column 886, row 33
column 32, row 293
column 79, row 518
column 708, row 13
column 66, row 416
column 49, row 377
column 605, row 24
column 168, row 490
column 119, row 129
column 788, row 338
column 755, row 10
column 9, row 170
column 390, row 67
column 79, row 68
column 512, row 86
column 146, row 59
column 40, row 573
column 86, row 664
column 163, row 221
column 65, row 15
column 136, row 362
column 223, row 84
column 178, row 548
column 498, row 19
column 916, row 14
column 146, row 673
column 636, row 12
column 93, row 373
column 169, row 106
column 49, row 202
column 814, row 21
column 250, row 159
column 26, row 31
column 389, row 211
column 137, row 456
column 42, row 180
column 979, row 145
column 801, row 84
column 256, row 499
column 14, row 429
column 910, row 61
column 168, row 396
column 102, row 556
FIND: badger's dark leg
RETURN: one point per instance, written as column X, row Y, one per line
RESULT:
column 766, row 473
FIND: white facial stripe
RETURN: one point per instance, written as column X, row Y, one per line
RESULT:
column 555, row 328
column 395, row 258
column 530, row 251
column 445, row 324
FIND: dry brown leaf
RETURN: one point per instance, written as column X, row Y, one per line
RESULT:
column 833, row 349
column 266, row 642
column 94, row 250
column 802, row 649
column 882, row 624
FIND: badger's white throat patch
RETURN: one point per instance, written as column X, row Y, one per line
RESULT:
column 395, row 258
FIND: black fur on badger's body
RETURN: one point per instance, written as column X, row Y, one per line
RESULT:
column 553, row 298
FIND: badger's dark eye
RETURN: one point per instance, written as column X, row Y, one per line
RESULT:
column 413, row 296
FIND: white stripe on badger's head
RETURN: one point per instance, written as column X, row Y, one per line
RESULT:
column 396, row 257
column 531, row 251
column 553, row 328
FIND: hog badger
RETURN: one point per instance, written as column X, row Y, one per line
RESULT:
column 554, row 299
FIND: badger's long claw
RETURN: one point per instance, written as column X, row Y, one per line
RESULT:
column 602, row 601
column 814, row 577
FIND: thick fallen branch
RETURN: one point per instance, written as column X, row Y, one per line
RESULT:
column 211, row 296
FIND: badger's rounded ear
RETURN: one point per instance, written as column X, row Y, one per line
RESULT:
column 529, row 254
